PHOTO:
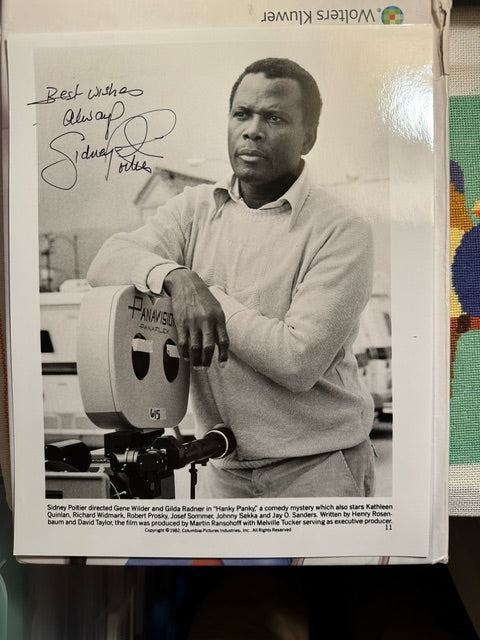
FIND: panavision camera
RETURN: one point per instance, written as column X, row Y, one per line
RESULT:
column 134, row 385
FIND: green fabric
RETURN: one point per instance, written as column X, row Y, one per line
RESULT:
column 465, row 405
column 465, row 144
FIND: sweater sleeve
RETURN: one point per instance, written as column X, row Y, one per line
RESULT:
column 296, row 351
column 129, row 257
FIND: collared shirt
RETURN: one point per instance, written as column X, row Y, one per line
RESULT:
column 227, row 190
column 294, row 197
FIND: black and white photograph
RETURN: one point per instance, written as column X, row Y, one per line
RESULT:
column 267, row 273
column 226, row 222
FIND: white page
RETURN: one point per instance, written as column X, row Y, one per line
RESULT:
column 378, row 128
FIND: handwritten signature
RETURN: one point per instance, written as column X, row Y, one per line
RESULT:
column 133, row 141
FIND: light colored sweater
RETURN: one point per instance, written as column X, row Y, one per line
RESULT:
column 292, row 279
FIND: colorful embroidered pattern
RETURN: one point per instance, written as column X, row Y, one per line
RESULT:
column 465, row 284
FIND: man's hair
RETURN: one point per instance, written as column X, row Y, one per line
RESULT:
column 285, row 68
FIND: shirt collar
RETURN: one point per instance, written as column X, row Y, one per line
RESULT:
column 295, row 196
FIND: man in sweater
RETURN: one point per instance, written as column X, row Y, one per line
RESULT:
column 274, row 273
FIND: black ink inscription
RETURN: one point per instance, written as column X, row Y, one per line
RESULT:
column 77, row 116
column 63, row 171
column 54, row 94
column 133, row 141
column 109, row 91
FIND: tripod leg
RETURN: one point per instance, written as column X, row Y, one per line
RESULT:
column 193, row 479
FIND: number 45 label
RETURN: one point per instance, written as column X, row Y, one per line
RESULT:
column 158, row 413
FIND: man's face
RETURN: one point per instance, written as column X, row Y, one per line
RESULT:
column 266, row 132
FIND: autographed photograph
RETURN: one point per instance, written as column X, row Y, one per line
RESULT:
column 229, row 235
column 214, row 228
column 226, row 280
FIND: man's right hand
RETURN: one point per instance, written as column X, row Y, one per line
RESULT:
column 199, row 318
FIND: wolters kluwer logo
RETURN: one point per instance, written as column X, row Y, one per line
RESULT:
column 392, row 15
